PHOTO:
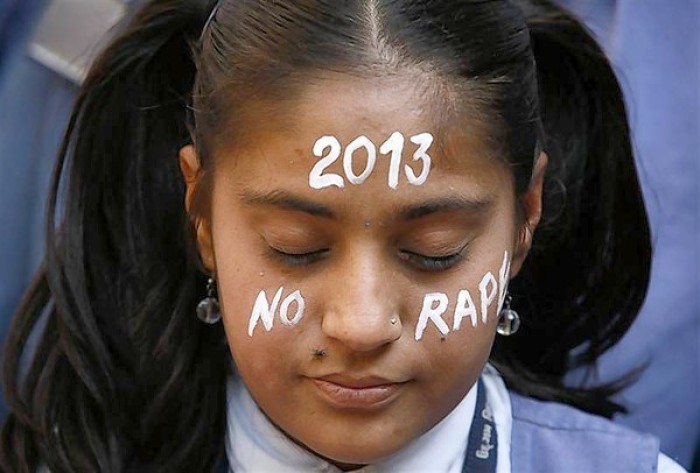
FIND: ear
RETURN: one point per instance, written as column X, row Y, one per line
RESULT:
column 191, row 172
column 531, row 202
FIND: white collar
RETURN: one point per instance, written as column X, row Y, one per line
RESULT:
column 254, row 444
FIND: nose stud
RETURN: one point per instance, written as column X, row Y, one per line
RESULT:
column 394, row 321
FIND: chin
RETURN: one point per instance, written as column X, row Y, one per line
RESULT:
column 352, row 449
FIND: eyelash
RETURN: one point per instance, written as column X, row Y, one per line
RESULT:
column 422, row 262
column 298, row 259
column 433, row 263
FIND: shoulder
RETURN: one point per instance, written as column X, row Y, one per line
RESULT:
column 554, row 415
column 552, row 436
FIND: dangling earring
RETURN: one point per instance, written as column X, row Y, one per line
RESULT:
column 208, row 308
column 508, row 319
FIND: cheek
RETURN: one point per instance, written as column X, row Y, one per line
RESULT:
column 245, row 276
column 457, row 339
column 450, row 364
column 278, row 351
column 466, row 299
column 240, row 278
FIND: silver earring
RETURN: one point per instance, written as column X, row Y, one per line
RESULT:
column 508, row 319
column 208, row 308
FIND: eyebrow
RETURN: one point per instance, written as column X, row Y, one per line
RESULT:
column 446, row 204
column 288, row 201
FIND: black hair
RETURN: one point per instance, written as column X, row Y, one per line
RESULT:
column 125, row 378
column 587, row 274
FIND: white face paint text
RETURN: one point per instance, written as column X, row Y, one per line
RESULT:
column 393, row 146
column 264, row 310
column 435, row 304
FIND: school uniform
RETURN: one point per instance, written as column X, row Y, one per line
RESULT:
column 490, row 430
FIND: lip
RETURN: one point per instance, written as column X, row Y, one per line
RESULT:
column 357, row 392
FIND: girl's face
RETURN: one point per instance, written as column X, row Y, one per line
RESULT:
column 341, row 304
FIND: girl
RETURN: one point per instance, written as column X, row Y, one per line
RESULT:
column 357, row 182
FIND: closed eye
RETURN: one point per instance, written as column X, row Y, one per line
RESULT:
column 433, row 263
column 298, row 259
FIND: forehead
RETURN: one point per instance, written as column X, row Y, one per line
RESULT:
column 275, row 149
column 346, row 105
column 382, row 105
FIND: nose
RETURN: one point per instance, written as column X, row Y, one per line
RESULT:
column 362, row 312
